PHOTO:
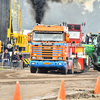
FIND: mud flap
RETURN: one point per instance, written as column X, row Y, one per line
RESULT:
column 75, row 64
column 80, row 64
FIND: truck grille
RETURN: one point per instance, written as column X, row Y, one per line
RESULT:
column 45, row 52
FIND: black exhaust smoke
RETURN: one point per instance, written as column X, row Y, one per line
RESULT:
column 38, row 6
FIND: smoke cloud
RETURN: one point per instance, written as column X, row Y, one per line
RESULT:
column 38, row 6
column 69, row 1
column 56, row 0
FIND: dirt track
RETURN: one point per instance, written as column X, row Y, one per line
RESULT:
column 43, row 86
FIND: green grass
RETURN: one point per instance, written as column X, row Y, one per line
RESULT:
column 2, row 69
column 26, row 68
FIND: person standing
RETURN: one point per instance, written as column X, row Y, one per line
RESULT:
column 15, row 60
column 6, row 57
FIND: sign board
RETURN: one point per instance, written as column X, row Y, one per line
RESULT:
column 74, row 27
column 74, row 35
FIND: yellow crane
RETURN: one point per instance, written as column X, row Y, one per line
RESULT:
column 14, row 34
column 18, row 41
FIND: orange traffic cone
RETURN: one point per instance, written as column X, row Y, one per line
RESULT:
column 62, row 92
column 97, row 86
column 17, row 92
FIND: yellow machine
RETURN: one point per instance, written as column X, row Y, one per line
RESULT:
column 18, row 41
column 0, row 46
column 14, row 40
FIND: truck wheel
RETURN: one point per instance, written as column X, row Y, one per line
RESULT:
column 98, row 68
column 64, row 71
column 94, row 67
column 32, row 69
column 71, row 71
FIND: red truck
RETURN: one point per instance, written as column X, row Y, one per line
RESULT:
column 77, row 59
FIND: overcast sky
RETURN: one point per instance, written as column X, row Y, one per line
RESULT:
column 76, row 12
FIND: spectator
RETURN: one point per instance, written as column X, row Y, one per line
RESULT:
column 6, row 57
column 14, row 60
column 20, row 56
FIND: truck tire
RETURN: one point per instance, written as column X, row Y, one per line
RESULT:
column 94, row 67
column 71, row 71
column 32, row 69
column 64, row 71
column 98, row 68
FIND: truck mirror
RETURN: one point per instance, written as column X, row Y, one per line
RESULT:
column 29, row 37
column 67, row 38
column 67, row 35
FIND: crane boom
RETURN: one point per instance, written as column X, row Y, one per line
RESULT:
column 14, row 31
column 15, row 17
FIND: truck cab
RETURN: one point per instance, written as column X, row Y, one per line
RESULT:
column 77, row 58
column 49, row 49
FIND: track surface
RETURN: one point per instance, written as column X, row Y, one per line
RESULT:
column 39, row 86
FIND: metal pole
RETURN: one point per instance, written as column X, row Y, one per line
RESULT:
column 2, row 55
column 10, row 14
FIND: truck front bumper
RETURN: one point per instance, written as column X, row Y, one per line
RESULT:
column 48, row 64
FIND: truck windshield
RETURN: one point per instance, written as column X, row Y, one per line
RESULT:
column 75, row 35
column 47, row 36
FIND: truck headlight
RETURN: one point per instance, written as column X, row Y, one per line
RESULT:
column 33, row 63
column 60, row 58
column 54, row 47
column 60, row 63
column 33, row 57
